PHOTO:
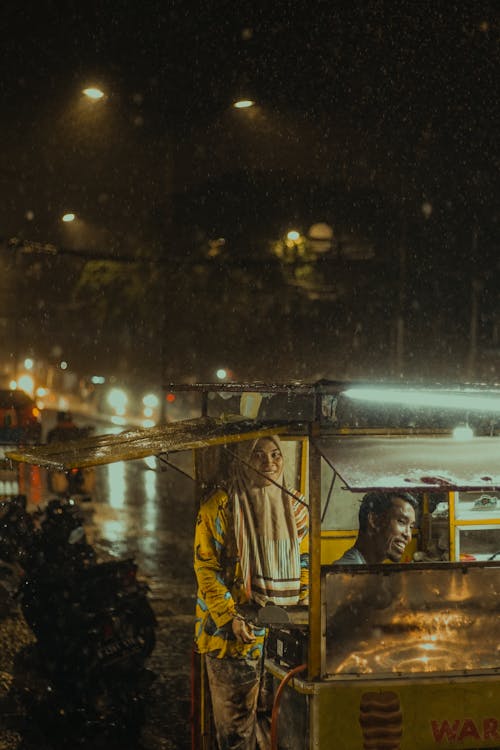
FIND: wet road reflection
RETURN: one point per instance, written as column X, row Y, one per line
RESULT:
column 140, row 510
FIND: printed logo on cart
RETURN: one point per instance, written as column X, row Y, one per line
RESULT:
column 381, row 719
column 457, row 730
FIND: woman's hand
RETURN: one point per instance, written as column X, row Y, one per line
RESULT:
column 242, row 630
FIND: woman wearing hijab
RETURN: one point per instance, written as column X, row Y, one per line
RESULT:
column 251, row 548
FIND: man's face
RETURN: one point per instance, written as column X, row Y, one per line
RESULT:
column 395, row 529
column 267, row 459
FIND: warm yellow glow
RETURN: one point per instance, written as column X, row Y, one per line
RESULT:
column 243, row 104
column 68, row 217
column 93, row 93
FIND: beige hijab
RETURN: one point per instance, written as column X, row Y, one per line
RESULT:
column 266, row 533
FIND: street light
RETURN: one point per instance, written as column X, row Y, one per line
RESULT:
column 243, row 104
column 93, row 93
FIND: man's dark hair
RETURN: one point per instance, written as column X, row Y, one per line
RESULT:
column 380, row 503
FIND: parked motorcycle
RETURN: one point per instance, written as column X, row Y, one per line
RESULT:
column 93, row 623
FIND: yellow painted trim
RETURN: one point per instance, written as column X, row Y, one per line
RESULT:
column 303, row 465
column 315, row 630
column 451, row 513
column 477, row 522
column 387, row 432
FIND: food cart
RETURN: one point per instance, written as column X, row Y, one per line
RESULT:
column 389, row 657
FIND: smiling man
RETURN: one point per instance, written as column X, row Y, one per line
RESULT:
column 386, row 521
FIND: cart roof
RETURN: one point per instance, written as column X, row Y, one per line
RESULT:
column 424, row 458
column 413, row 462
column 140, row 443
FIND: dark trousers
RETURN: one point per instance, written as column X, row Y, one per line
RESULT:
column 242, row 698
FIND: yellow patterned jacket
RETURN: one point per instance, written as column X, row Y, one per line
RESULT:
column 220, row 580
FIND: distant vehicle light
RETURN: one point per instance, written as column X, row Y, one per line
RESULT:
column 117, row 399
column 171, row 398
column 26, row 383
column 150, row 400
column 28, row 363
column 68, row 218
column 97, row 379
column 243, row 103
column 293, row 235
column 221, row 373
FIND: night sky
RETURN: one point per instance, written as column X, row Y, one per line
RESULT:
column 379, row 118
column 389, row 65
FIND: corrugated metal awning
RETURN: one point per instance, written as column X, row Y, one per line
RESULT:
column 140, row 443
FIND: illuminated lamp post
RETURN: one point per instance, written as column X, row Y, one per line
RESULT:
column 93, row 93
column 243, row 104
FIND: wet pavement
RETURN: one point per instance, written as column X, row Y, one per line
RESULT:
column 140, row 512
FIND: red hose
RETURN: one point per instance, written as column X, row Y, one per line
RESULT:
column 276, row 704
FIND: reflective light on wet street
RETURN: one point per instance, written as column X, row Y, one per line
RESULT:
column 117, row 485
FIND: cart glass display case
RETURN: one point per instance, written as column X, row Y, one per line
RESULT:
column 427, row 619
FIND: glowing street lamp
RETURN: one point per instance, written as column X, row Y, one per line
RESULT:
column 93, row 93
column 243, row 104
